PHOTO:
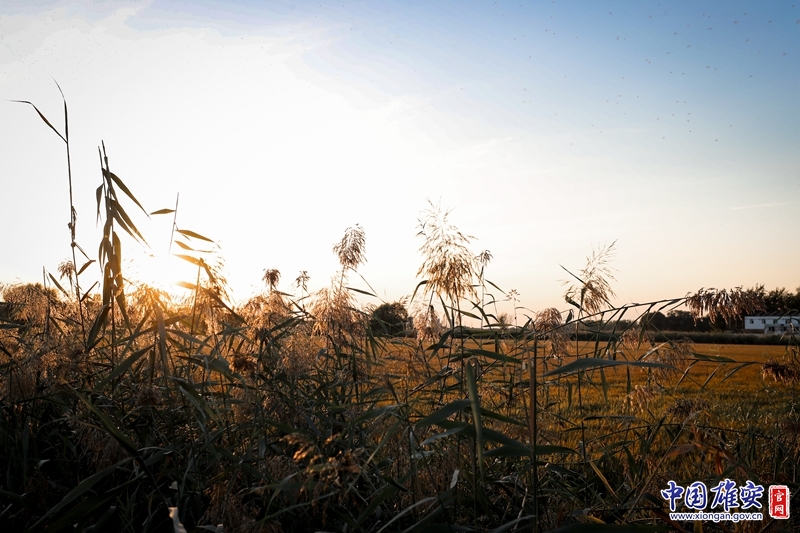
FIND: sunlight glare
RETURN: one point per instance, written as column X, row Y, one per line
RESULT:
column 159, row 272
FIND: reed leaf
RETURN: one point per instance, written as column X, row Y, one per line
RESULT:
column 76, row 493
column 475, row 405
column 193, row 235
column 58, row 285
column 99, row 323
column 122, row 367
column 124, row 188
column 590, row 363
column 42, row 117
column 442, row 414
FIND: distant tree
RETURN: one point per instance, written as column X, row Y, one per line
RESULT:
column 389, row 319
column 779, row 301
column 679, row 321
column 719, row 324
column 504, row 320
column 654, row 321
column 794, row 301
column 757, row 292
column 726, row 308
column 621, row 324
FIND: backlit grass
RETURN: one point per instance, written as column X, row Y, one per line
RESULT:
column 123, row 408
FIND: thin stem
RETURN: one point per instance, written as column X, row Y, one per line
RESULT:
column 174, row 224
column 194, row 304
column 73, row 217
column 114, row 288
column 534, row 429
column 580, row 379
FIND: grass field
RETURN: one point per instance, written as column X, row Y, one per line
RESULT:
column 126, row 409
column 266, row 420
column 732, row 379
column 274, row 418
column 719, row 411
column 729, row 386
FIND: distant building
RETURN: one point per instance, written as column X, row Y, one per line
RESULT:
column 771, row 324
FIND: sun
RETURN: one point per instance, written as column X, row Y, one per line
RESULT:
column 159, row 272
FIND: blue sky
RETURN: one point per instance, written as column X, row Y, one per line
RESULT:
column 550, row 128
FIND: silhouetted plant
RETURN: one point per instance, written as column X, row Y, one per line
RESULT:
column 389, row 319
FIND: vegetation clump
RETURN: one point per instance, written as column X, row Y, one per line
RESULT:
column 389, row 319
column 130, row 409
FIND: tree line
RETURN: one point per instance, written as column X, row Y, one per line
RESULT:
column 778, row 301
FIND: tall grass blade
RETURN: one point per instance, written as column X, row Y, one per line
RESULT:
column 590, row 363
column 77, row 492
column 122, row 367
column 85, row 266
column 513, row 523
column 405, row 511
column 124, row 188
column 42, row 117
column 475, row 405
column 110, row 426
column 192, row 234
column 442, row 414
column 99, row 323
column 58, row 285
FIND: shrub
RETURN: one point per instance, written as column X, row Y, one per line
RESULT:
column 390, row 319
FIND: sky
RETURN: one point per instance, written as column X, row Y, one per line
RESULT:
column 548, row 129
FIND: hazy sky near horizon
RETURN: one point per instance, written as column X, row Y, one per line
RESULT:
column 549, row 128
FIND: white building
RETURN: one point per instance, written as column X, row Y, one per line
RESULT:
column 771, row 324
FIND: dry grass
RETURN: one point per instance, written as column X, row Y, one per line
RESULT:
column 296, row 415
column 594, row 292
column 129, row 411
column 723, row 303
column 448, row 266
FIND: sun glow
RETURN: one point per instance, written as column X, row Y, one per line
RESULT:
column 159, row 272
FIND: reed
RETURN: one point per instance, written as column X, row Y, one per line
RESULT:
column 168, row 413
